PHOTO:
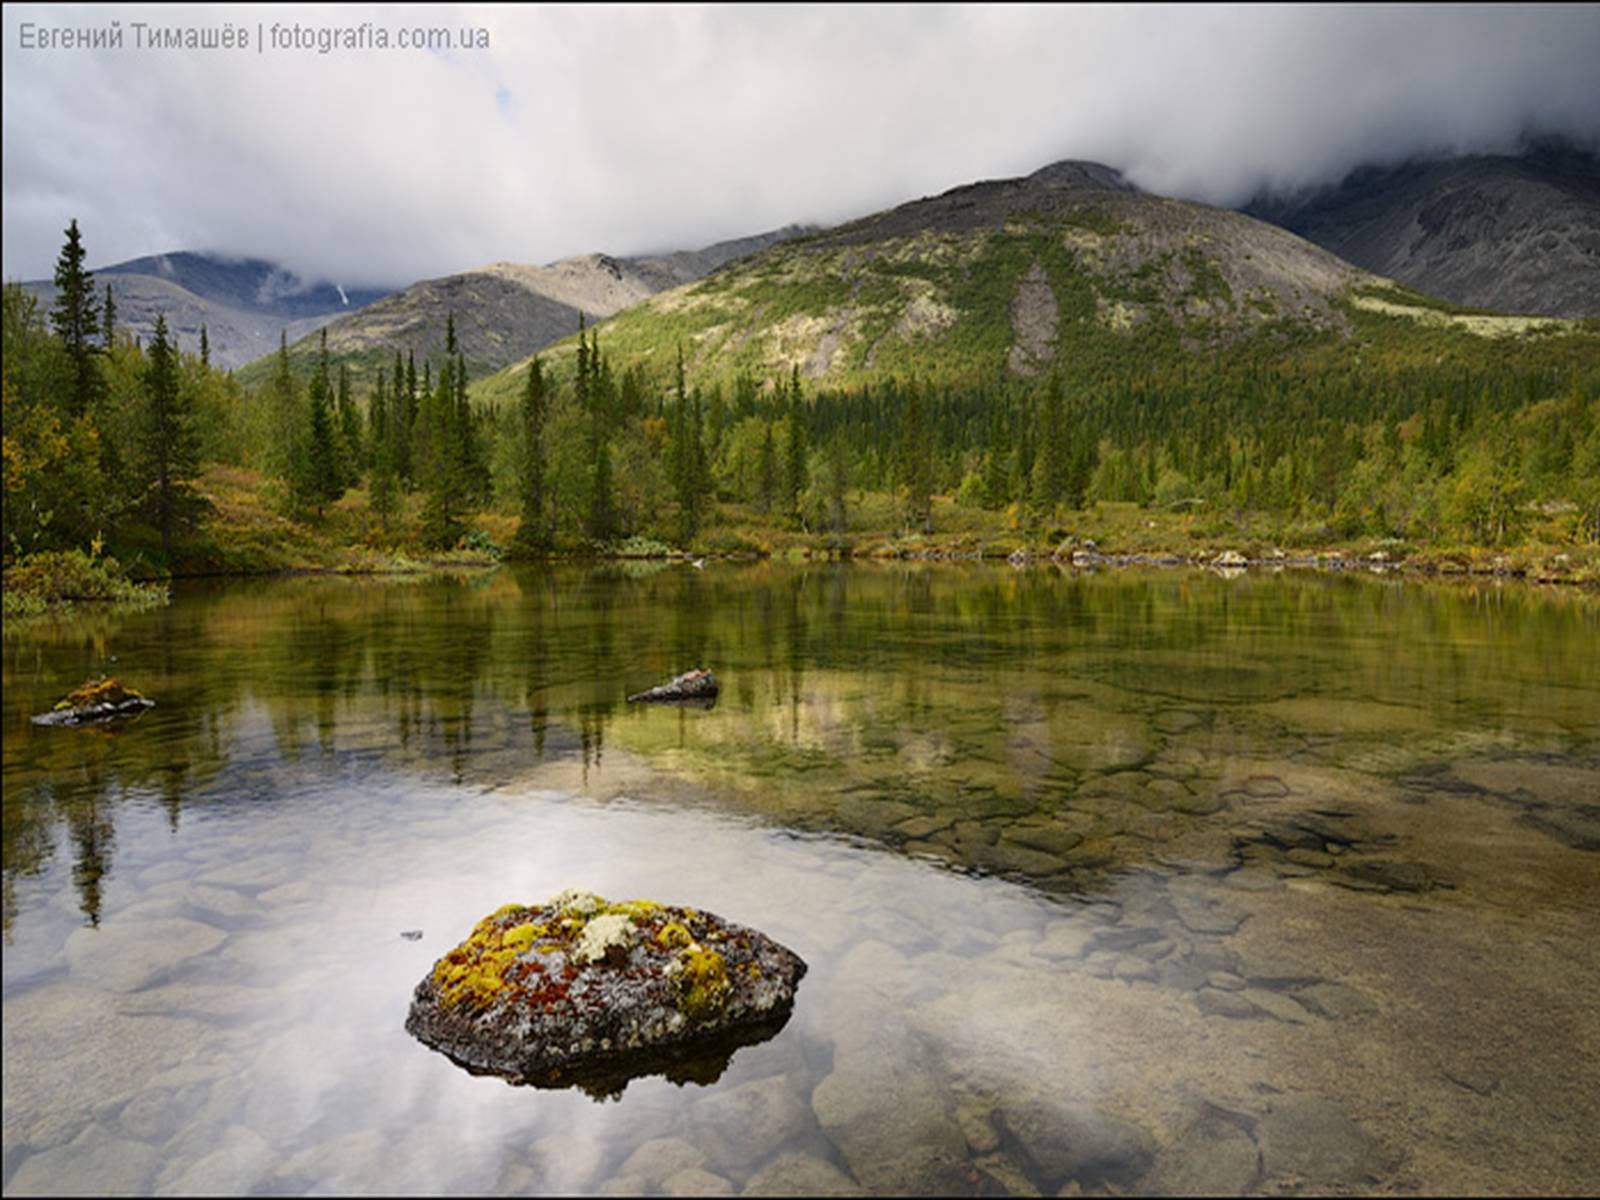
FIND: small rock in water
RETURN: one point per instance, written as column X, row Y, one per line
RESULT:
column 95, row 702
column 585, row 992
column 698, row 686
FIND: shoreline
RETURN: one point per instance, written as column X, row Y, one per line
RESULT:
column 1229, row 564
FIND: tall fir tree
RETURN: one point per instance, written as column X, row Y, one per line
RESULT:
column 437, row 461
column 169, row 444
column 602, row 507
column 76, row 320
column 997, row 457
column 352, row 447
column 108, row 322
column 404, row 423
column 205, row 338
column 287, row 426
column 471, row 464
column 767, row 471
column 795, row 452
column 838, row 482
column 1049, row 483
column 322, row 478
column 915, row 465
column 382, row 485
column 533, row 536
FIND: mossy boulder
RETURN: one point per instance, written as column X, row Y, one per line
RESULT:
column 94, row 702
column 582, row 991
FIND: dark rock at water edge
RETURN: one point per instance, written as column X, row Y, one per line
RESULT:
column 698, row 687
column 589, row 993
column 96, row 702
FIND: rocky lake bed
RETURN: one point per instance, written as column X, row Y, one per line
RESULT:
column 1143, row 922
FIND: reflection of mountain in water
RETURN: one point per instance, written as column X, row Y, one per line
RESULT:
column 1037, row 725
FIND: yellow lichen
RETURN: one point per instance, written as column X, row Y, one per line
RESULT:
column 475, row 970
column 673, row 935
column 704, row 978
column 522, row 937
column 105, row 690
column 636, row 910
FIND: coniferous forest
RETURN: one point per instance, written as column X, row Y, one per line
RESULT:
column 149, row 455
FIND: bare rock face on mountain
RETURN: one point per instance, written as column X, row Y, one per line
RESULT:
column 508, row 310
column 1514, row 234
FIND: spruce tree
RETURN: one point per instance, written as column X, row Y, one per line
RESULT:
column 351, row 448
column 838, row 479
column 1049, row 463
column 767, row 474
column 381, row 491
column 76, row 319
column 404, row 416
column 323, row 479
column 169, row 443
column 602, row 513
column 438, row 463
column 471, row 465
column 915, row 466
column 795, row 455
column 287, row 426
column 533, row 534
column 205, row 338
column 108, row 322
column 997, row 458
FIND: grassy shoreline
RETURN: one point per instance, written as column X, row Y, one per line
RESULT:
column 246, row 537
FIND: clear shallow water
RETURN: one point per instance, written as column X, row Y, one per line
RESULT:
column 1144, row 881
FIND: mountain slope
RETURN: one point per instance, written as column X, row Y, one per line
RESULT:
column 244, row 304
column 508, row 310
column 1513, row 234
column 1065, row 269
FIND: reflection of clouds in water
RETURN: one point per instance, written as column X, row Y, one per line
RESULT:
column 328, row 885
column 937, row 1004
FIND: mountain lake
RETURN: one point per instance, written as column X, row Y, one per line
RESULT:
column 1108, row 883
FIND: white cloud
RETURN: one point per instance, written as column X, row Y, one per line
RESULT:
column 632, row 129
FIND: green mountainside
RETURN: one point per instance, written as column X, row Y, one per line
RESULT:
column 1068, row 271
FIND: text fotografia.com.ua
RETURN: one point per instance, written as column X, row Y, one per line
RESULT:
column 318, row 39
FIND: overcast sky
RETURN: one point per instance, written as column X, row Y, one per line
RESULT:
column 631, row 130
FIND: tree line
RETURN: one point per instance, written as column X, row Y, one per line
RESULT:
column 101, row 429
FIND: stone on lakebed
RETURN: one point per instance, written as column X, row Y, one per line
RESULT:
column 95, row 702
column 585, row 992
column 692, row 687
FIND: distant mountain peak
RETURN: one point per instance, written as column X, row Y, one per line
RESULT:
column 1081, row 173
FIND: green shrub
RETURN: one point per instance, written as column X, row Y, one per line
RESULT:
column 56, row 579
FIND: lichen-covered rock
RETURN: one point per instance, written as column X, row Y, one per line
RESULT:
column 95, row 702
column 586, row 992
column 698, row 686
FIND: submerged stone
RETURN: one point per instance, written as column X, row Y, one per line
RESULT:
column 95, row 702
column 585, row 992
column 692, row 687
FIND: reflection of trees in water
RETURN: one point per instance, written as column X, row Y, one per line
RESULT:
column 529, row 666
